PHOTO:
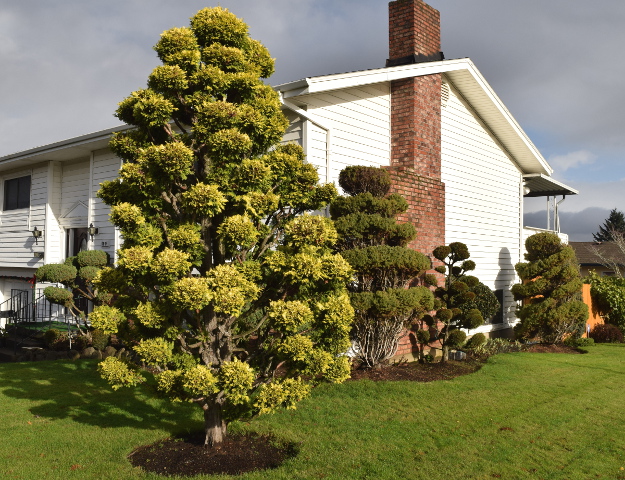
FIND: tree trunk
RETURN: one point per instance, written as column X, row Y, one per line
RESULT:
column 445, row 354
column 214, row 424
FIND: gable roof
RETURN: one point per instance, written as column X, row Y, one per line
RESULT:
column 465, row 77
column 586, row 255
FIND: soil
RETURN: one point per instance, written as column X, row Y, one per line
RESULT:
column 187, row 456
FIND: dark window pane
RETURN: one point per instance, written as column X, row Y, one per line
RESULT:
column 23, row 193
column 17, row 193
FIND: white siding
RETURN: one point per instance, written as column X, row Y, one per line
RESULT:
column 105, row 167
column 483, row 204
column 54, row 233
column 359, row 122
column 75, row 186
column 16, row 241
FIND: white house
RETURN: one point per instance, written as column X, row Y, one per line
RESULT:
column 452, row 147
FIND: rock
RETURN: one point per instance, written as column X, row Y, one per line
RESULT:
column 87, row 352
column 73, row 355
column 96, row 355
column 109, row 352
column 120, row 352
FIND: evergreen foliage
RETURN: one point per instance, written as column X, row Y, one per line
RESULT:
column 455, row 301
column 608, row 294
column 369, row 238
column 76, row 274
column 221, row 280
column 615, row 223
column 551, row 291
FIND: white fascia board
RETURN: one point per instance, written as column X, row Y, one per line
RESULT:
column 82, row 144
column 465, row 77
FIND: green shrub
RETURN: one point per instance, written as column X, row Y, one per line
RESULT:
column 99, row 339
column 606, row 333
column 455, row 339
column 579, row 342
column 51, row 336
column 494, row 346
column 56, row 273
column 475, row 341
column 485, row 301
column 358, row 179
column 608, row 294
column 92, row 258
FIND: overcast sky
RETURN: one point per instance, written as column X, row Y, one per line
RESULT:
column 555, row 64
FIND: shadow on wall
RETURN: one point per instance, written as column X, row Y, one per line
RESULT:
column 504, row 281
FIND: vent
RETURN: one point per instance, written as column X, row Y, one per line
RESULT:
column 444, row 94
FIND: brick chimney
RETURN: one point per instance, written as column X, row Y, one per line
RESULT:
column 414, row 37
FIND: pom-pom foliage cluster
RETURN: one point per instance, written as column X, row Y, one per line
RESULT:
column 221, row 279
column 374, row 244
column 551, row 291
column 458, row 301
column 76, row 275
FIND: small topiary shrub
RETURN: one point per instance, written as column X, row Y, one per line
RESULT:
column 51, row 336
column 606, row 333
column 579, row 342
column 358, row 179
column 99, row 339
column 475, row 341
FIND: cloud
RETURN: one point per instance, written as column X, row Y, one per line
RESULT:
column 578, row 225
column 572, row 160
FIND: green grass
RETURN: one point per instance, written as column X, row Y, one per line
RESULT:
column 547, row 416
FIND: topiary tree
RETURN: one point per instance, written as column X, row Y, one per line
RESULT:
column 551, row 291
column 374, row 244
column 455, row 302
column 76, row 274
column 223, row 288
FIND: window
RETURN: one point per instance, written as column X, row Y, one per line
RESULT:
column 17, row 193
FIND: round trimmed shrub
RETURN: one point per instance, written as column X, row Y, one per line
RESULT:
column 606, row 333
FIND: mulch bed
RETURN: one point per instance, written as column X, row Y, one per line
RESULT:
column 188, row 456
column 239, row 454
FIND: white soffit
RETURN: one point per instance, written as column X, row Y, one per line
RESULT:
column 540, row 185
column 465, row 77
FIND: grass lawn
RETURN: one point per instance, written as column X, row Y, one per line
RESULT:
column 523, row 415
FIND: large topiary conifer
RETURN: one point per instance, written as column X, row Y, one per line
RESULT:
column 374, row 244
column 223, row 288
column 551, row 291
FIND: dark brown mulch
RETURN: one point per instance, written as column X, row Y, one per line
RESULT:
column 418, row 372
column 239, row 454
column 540, row 348
column 187, row 456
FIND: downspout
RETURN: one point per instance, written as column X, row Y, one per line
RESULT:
column 311, row 118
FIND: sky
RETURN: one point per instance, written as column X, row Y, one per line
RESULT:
column 555, row 64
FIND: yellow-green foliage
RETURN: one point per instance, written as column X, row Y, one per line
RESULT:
column 230, row 290
column 289, row 316
column 204, row 199
column 106, row 318
column 118, row 373
column 285, row 393
column 236, row 379
column 126, row 216
column 150, row 314
column 170, row 264
column 310, row 230
column 238, row 231
column 154, row 351
column 109, row 279
column 310, row 265
column 189, row 293
column 296, row 348
column 199, row 381
column 135, row 259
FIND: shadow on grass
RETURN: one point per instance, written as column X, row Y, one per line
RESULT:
column 74, row 390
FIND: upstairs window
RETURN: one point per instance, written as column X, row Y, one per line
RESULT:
column 17, row 193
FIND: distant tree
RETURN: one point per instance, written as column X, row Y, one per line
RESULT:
column 382, row 292
column 615, row 223
column 223, row 288
column 551, row 290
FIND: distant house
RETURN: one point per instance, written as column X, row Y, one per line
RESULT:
column 605, row 258
column 453, row 150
